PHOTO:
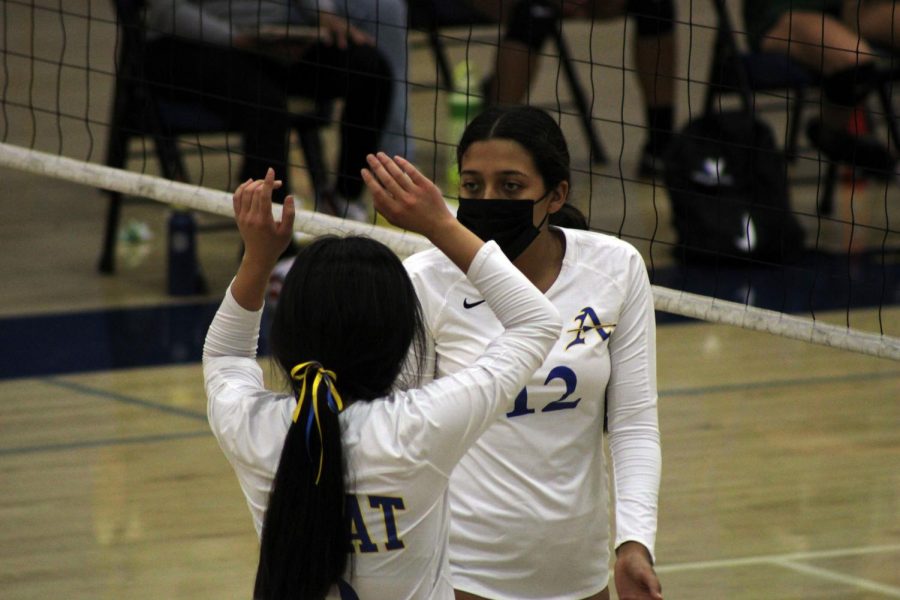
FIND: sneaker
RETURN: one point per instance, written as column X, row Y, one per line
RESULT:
column 652, row 166
column 353, row 210
column 862, row 151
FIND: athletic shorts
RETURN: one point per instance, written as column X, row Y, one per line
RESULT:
column 761, row 15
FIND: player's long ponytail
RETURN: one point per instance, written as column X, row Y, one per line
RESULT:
column 303, row 550
column 346, row 318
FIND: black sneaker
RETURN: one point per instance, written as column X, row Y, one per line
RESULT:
column 861, row 151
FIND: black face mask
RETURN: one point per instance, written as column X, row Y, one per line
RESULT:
column 510, row 223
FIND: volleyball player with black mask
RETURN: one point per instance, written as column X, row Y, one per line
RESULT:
column 530, row 500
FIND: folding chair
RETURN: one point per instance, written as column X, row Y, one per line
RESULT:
column 138, row 111
column 733, row 71
column 744, row 73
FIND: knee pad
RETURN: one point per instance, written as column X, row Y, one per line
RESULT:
column 849, row 86
column 653, row 17
column 531, row 22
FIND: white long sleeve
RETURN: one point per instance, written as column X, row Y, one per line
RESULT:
column 531, row 326
column 633, row 422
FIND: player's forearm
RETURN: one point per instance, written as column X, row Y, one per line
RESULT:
column 632, row 547
column 249, row 286
column 458, row 243
column 637, row 466
column 234, row 330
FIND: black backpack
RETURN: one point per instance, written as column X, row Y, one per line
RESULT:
column 727, row 182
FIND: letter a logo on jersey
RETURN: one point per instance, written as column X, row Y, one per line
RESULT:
column 587, row 321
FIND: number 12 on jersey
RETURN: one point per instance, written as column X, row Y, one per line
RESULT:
column 520, row 407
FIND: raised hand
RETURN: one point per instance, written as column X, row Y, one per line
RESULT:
column 410, row 200
column 265, row 239
column 403, row 195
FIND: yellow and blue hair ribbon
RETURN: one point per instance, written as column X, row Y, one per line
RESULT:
column 321, row 375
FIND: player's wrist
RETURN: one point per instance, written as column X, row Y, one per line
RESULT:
column 632, row 549
column 441, row 230
column 453, row 239
column 258, row 263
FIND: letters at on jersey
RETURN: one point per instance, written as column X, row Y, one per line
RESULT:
column 360, row 538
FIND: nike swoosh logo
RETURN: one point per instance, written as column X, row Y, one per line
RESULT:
column 467, row 304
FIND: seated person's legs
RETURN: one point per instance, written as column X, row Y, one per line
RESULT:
column 386, row 22
column 361, row 77
column 654, row 54
column 526, row 26
column 877, row 21
column 819, row 40
column 823, row 42
column 515, row 56
column 530, row 22
column 654, row 57
column 235, row 85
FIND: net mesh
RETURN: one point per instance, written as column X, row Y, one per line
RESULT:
column 59, row 69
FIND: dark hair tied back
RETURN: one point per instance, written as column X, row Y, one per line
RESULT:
column 532, row 128
column 347, row 304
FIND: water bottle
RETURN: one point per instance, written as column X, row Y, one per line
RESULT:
column 184, row 271
column 464, row 103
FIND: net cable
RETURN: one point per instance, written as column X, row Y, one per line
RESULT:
column 676, row 302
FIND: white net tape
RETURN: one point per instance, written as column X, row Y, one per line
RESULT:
column 191, row 196
column 403, row 243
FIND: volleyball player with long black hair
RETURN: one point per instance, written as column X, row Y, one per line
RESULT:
column 346, row 476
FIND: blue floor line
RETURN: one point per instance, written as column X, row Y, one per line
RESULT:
column 103, row 340
column 101, row 443
column 90, row 444
column 100, row 393
column 759, row 385
column 123, row 338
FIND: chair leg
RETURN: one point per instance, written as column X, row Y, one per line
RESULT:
column 581, row 104
column 116, row 156
column 107, row 262
column 826, row 200
column 709, row 97
column 884, row 95
column 790, row 147
column 445, row 73
column 170, row 160
column 184, row 274
column 311, row 144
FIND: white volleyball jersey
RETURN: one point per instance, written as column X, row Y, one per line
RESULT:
column 529, row 501
column 400, row 449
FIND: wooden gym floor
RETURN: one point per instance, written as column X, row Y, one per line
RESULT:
column 780, row 477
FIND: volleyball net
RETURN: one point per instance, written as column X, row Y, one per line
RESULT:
column 60, row 77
